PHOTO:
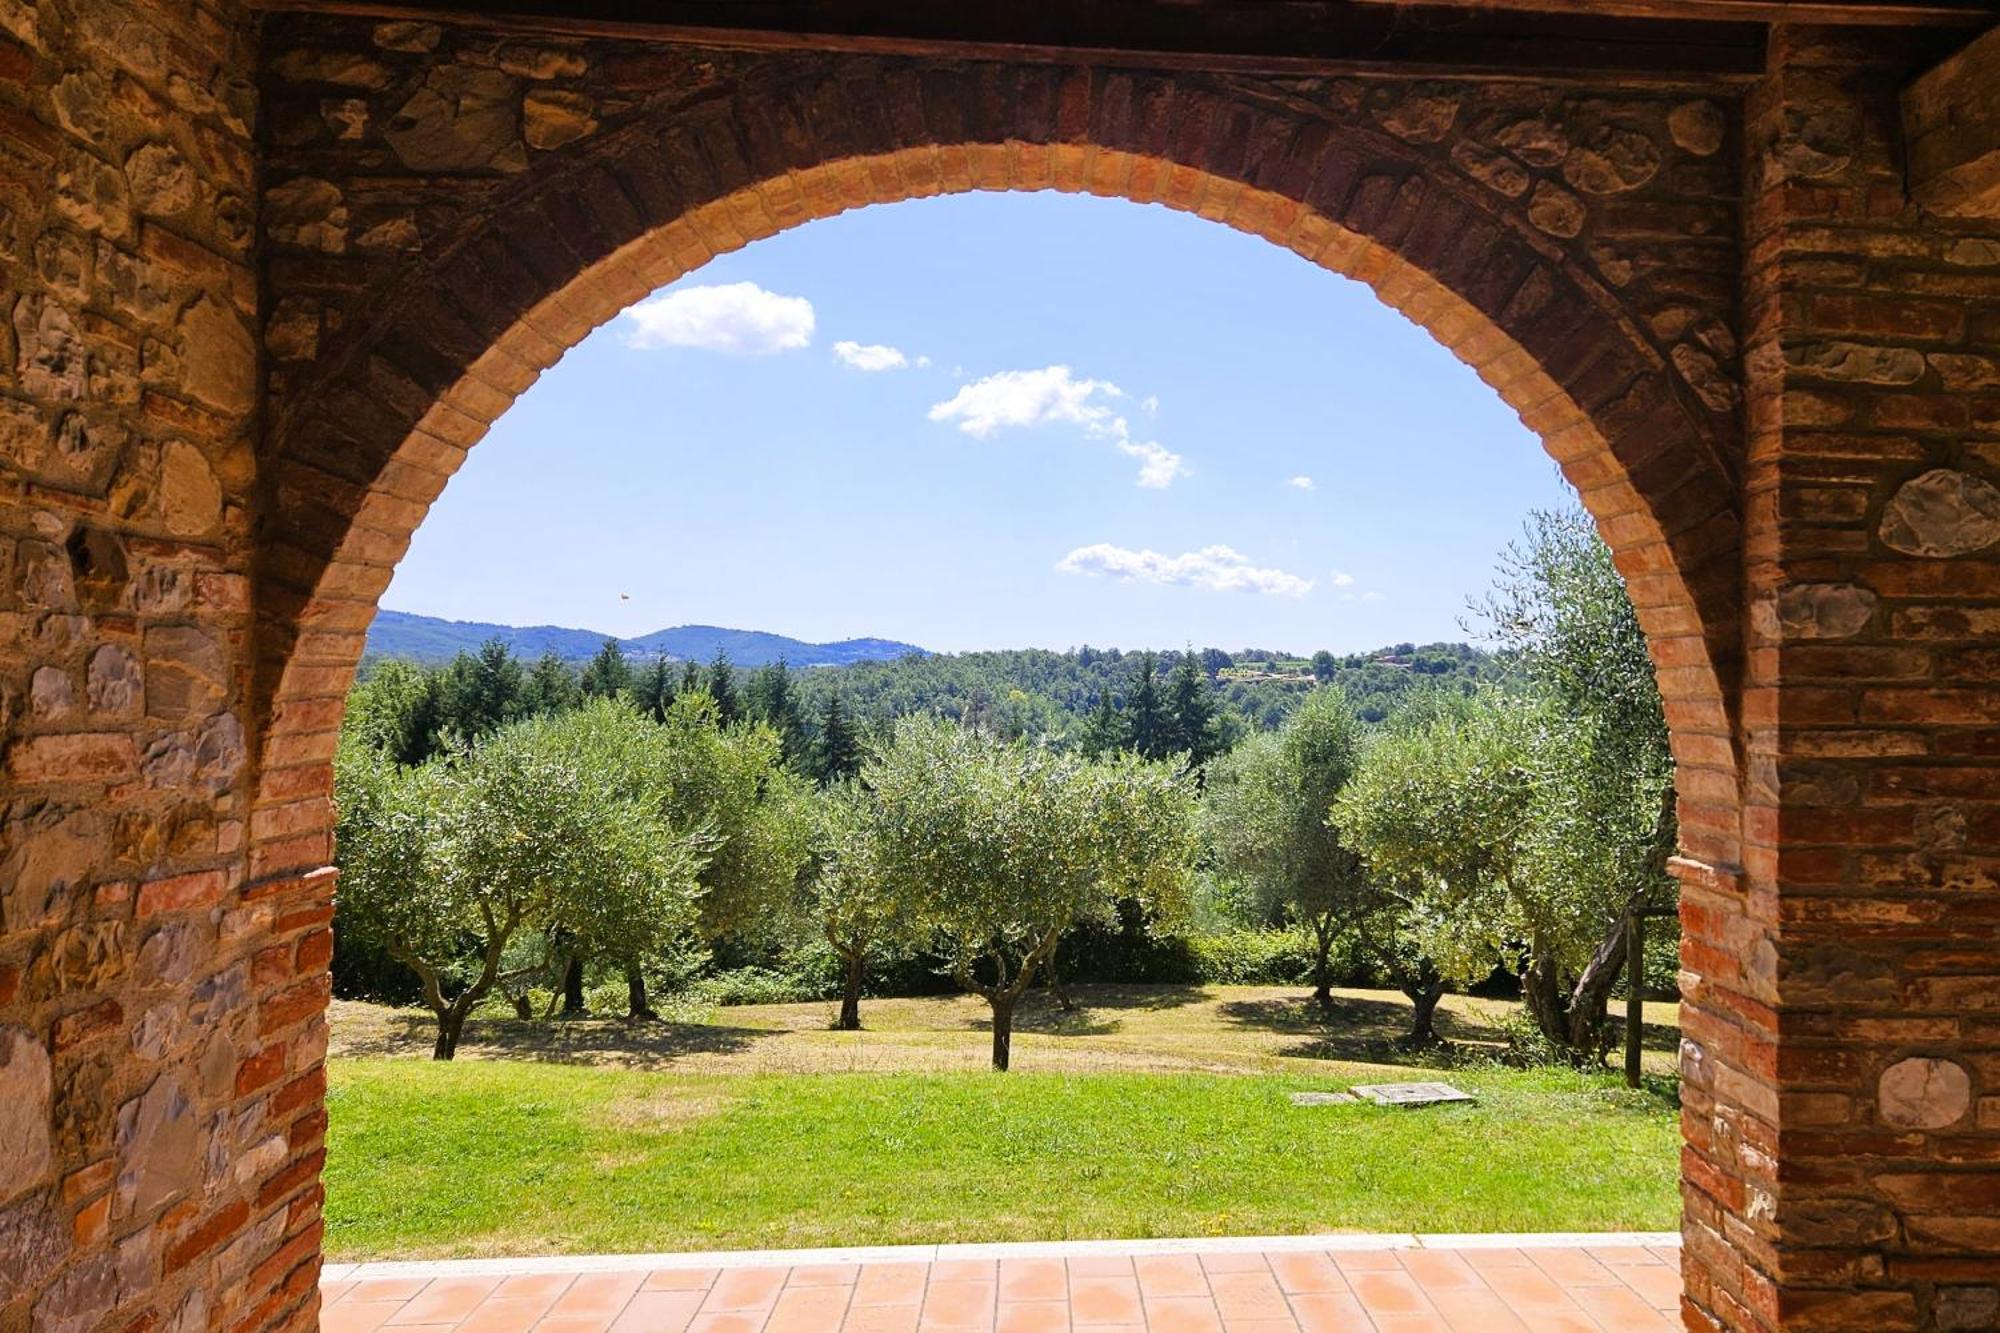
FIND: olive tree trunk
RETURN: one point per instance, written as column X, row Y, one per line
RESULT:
column 637, row 1008
column 850, row 993
column 1003, row 1030
column 1323, row 934
column 1424, row 988
column 573, row 1002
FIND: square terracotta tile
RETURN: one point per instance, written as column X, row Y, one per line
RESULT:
column 1183, row 1314
column 352, row 1316
column 880, row 1319
column 823, row 1275
column 1105, row 1300
column 1308, row 1271
column 507, row 1314
column 1387, row 1293
column 1162, row 1275
column 527, row 1286
column 744, row 1289
column 1327, row 1313
column 1033, row 1280
column 1248, row 1296
column 445, row 1301
column 809, row 1309
column 1573, row 1268
column 727, row 1321
column 890, row 1284
column 1099, row 1265
column 679, row 1279
column 658, row 1312
column 1365, row 1261
column 1032, row 1317
column 1659, row 1285
column 958, row 1304
column 1440, row 1270
column 1235, row 1261
column 964, row 1270
column 594, row 1294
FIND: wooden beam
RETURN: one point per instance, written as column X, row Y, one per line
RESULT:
column 1829, row 13
column 1951, row 124
column 1224, row 36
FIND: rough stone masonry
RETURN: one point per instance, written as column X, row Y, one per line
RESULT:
column 267, row 279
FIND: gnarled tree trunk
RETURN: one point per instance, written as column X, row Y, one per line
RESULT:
column 1424, row 989
column 573, row 1003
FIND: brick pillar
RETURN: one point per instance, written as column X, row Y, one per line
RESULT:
column 1843, row 1056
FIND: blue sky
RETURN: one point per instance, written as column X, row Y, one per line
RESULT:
column 995, row 421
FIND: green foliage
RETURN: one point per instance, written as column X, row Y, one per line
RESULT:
column 1266, row 816
column 549, row 824
column 1532, row 816
column 1247, row 957
column 999, row 848
column 607, row 675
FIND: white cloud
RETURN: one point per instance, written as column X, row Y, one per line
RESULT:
column 738, row 317
column 876, row 356
column 1301, row 483
column 1055, row 394
column 1151, row 404
column 1340, row 579
column 1216, row 568
column 1027, row 398
column 1159, row 465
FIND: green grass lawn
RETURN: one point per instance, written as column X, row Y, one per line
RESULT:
column 496, row 1156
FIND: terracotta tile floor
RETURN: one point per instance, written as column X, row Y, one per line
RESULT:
column 1529, row 1288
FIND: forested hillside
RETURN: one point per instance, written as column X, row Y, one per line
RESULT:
column 432, row 640
column 1035, row 692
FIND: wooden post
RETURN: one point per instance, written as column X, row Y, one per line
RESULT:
column 1635, row 1007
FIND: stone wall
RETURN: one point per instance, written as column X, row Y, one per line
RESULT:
column 159, row 1033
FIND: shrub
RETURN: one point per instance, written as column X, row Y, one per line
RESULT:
column 1247, row 957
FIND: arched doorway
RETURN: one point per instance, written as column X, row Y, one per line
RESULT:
column 1499, row 220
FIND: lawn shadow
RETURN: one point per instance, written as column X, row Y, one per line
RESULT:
column 1355, row 1029
column 576, row 1041
column 1094, row 1013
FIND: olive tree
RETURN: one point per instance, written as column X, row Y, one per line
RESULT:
column 1483, row 812
column 548, row 823
column 847, row 895
column 1001, row 847
column 1267, row 818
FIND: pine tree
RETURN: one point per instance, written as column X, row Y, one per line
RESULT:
column 722, row 688
column 770, row 699
column 1104, row 730
column 1147, row 730
column 656, row 690
column 690, row 676
column 1191, row 723
column 551, row 686
column 837, row 753
column 607, row 675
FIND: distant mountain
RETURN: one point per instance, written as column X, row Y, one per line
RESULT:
column 429, row 639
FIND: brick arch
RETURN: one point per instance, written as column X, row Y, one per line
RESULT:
column 437, row 347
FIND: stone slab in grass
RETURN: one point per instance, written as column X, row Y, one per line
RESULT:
column 1324, row 1099
column 1411, row 1094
